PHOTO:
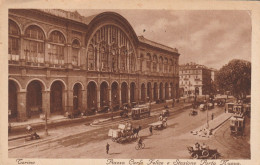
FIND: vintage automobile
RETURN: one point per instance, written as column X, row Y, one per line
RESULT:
column 139, row 112
column 237, row 125
column 203, row 153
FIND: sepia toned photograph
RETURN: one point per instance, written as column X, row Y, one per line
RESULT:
column 138, row 83
column 150, row 84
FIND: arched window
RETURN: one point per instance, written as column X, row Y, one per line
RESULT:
column 13, row 41
column 57, row 48
column 155, row 62
column 161, row 64
column 91, row 58
column 34, row 44
column 166, row 65
column 148, row 62
column 75, row 52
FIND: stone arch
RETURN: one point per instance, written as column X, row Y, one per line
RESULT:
column 55, row 29
column 63, row 82
column 17, row 82
column 155, row 91
column 92, row 95
column 13, row 88
column 115, row 95
column 35, row 24
column 149, row 91
column 57, row 97
column 77, row 96
column 161, row 91
column 166, row 91
column 143, row 93
column 83, row 87
column 124, row 92
column 34, row 101
column 42, row 82
column 17, row 24
column 104, row 94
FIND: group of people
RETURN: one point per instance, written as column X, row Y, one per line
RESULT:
column 198, row 147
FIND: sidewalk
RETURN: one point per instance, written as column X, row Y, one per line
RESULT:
column 203, row 131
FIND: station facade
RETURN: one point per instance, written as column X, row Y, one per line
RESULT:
column 60, row 61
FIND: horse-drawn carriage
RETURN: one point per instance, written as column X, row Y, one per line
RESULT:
column 124, row 133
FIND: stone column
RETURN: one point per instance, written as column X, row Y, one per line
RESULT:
column 128, row 93
column 97, row 55
column 21, row 105
column 84, row 100
column 69, row 56
column 46, row 102
column 119, row 92
column 98, row 98
column 109, row 97
column 46, row 54
column 70, row 100
column 22, row 47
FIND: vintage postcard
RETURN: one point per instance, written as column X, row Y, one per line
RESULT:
column 151, row 83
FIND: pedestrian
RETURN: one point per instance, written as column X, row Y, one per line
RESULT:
column 151, row 130
column 212, row 116
column 107, row 148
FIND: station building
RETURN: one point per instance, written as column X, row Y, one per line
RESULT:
column 60, row 61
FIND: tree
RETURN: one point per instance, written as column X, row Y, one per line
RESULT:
column 235, row 77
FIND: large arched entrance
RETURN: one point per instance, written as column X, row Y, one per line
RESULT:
column 149, row 91
column 124, row 93
column 161, row 91
column 166, row 91
column 143, row 93
column 114, row 95
column 132, row 92
column 172, row 91
column 91, row 96
column 56, row 102
column 77, row 97
column 104, row 94
column 34, row 99
column 12, row 99
column 155, row 92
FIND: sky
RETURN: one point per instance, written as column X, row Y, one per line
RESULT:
column 207, row 37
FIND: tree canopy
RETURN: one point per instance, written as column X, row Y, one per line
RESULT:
column 235, row 77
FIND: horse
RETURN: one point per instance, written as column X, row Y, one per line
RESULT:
column 136, row 130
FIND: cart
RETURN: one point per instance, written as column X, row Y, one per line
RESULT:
column 123, row 134
column 159, row 125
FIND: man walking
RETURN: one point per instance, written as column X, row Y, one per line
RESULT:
column 151, row 130
column 107, row 148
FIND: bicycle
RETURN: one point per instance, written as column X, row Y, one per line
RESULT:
column 140, row 146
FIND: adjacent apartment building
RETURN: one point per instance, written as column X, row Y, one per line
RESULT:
column 195, row 79
column 61, row 61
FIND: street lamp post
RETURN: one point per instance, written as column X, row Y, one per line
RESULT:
column 46, row 126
